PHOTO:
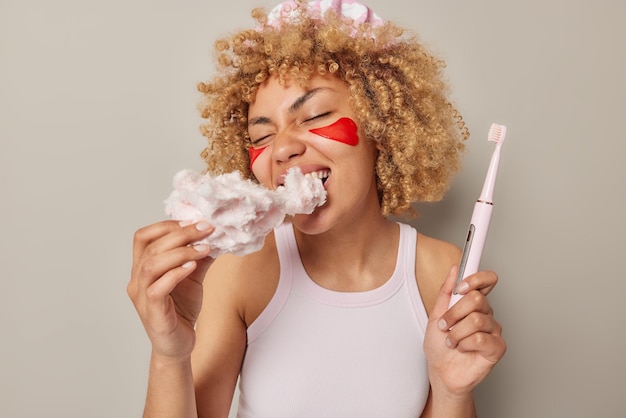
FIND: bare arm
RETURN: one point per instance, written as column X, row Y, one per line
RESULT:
column 166, row 289
column 237, row 290
column 221, row 337
column 170, row 389
column 444, row 407
column 202, row 385
column 195, row 310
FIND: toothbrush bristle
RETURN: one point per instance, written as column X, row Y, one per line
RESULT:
column 496, row 133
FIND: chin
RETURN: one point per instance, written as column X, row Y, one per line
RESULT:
column 313, row 224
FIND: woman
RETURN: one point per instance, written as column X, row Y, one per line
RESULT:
column 342, row 312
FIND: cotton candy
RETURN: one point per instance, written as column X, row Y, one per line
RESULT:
column 241, row 211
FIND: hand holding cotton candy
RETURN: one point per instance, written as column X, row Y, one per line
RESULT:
column 241, row 211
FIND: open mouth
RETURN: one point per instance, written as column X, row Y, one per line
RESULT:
column 321, row 174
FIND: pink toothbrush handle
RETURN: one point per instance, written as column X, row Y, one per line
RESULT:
column 474, row 244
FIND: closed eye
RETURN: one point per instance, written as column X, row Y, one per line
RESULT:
column 321, row 115
column 259, row 141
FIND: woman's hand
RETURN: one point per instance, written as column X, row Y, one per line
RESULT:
column 166, row 283
column 464, row 343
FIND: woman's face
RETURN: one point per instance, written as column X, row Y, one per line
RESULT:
column 313, row 128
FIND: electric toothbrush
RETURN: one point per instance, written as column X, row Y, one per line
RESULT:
column 479, row 224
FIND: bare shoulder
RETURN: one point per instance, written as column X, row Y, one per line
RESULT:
column 434, row 258
column 248, row 281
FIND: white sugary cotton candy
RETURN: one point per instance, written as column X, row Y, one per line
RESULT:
column 242, row 211
column 300, row 193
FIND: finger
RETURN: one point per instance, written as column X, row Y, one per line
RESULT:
column 156, row 266
column 181, row 235
column 474, row 301
column 484, row 281
column 443, row 299
column 148, row 234
column 164, row 235
column 489, row 346
column 159, row 291
column 473, row 323
column 203, row 265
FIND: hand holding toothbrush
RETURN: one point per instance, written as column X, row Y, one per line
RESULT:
column 463, row 343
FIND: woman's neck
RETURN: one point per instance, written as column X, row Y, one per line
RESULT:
column 357, row 255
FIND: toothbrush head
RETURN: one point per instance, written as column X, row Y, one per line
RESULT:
column 497, row 133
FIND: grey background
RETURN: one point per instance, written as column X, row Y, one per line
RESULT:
column 98, row 111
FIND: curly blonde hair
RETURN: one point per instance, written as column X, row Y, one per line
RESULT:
column 396, row 88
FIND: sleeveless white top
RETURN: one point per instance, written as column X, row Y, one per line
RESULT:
column 319, row 353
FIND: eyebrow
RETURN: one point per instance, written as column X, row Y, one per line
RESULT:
column 297, row 104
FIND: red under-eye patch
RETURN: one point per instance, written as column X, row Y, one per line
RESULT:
column 343, row 130
column 254, row 154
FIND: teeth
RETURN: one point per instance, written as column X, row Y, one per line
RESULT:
column 322, row 174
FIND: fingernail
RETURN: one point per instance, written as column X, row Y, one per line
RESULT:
column 200, row 247
column 442, row 325
column 187, row 265
column 203, row 226
column 462, row 287
column 448, row 342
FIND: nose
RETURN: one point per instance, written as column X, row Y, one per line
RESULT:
column 286, row 146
